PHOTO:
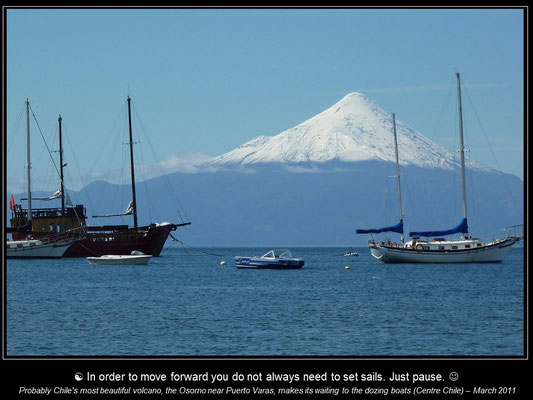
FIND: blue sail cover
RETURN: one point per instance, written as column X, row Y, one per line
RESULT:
column 461, row 228
column 396, row 228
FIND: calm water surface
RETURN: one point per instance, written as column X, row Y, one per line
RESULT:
column 182, row 304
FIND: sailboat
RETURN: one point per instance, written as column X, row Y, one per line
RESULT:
column 467, row 249
column 26, row 243
column 101, row 240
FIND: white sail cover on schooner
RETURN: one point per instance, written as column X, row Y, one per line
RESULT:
column 57, row 195
column 129, row 211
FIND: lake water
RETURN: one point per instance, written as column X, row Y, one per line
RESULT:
column 187, row 304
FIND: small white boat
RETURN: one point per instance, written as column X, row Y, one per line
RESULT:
column 350, row 253
column 136, row 258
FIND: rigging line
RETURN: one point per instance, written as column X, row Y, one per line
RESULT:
column 14, row 130
column 140, row 162
column 82, row 180
column 108, row 178
column 159, row 165
column 46, row 144
column 406, row 192
column 139, row 168
column 117, row 194
column 469, row 171
column 385, row 208
column 124, row 182
column 47, row 172
column 163, row 174
column 444, row 108
column 125, row 172
column 115, row 146
column 47, row 148
column 92, row 251
column 493, row 154
column 109, row 135
column 64, row 134
column 453, row 198
column 175, row 198
column 67, row 195
column 49, row 175
column 201, row 251
column 89, row 174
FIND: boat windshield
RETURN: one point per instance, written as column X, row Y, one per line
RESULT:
column 279, row 253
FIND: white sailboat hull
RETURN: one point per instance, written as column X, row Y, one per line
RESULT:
column 491, row 252
column 438, row 250
column 37, row 249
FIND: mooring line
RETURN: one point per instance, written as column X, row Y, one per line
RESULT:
column 185, row 249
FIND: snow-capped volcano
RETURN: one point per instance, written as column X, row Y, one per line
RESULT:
column 354, row 129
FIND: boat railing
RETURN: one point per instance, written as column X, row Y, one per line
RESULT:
column 72, row 212
column 514, row 230
column 74, row 233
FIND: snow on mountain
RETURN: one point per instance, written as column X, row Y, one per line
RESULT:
column 354, row 129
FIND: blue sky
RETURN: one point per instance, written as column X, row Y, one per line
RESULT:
column 205, row 81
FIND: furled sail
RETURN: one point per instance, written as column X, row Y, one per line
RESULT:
column 129, row 211
column 461, row 228
column 57, row 195
column 398, row 228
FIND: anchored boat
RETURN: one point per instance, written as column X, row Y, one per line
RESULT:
column 351, row 253
column 33, row 248
column 98, row 240
column 135, row 258
column 26, row 242
column 467, row 249
column 274, row 259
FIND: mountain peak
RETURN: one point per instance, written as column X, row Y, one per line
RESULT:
column 355, row 97
column 354, row 129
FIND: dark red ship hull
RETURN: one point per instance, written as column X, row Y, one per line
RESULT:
column 149, row 240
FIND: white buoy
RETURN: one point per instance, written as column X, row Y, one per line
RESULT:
column 347, row 267
column 222, row 262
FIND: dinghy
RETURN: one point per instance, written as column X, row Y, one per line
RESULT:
column 135, row 258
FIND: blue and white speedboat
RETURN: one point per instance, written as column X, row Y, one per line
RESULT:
column 274, row 259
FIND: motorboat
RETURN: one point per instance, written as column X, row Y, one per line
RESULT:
column 135, row 258
column 274, row 259
column 350, row 253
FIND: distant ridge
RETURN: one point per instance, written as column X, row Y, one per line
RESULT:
column 352, row 130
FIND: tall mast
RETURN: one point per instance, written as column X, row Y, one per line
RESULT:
column 462, row 148
column 397, row 169
column 61, row 167
column 28, row 159
column 132, row 168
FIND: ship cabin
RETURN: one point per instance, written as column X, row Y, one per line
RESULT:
column 69, row 221
column 441, row 244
